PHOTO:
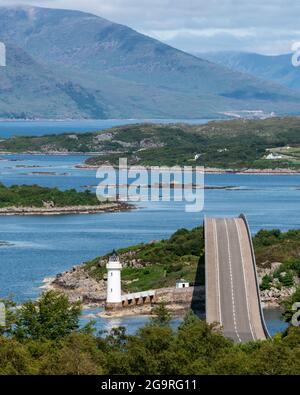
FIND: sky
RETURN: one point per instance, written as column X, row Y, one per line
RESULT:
column 268, row 27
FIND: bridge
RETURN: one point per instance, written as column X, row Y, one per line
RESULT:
column 231, row 285
column 138, row 298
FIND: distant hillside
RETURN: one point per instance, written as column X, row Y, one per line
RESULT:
column 28, row 90
column 259, row 144
column 85, row 66
column 278, row 69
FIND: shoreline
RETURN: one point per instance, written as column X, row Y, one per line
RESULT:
column 78, row 285
column 208, row 170
column 177, row 307
column 103, row 208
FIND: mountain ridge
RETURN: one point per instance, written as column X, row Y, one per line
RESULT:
column 275, row 68
column 107, row 70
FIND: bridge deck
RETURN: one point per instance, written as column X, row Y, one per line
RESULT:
column 232, row 298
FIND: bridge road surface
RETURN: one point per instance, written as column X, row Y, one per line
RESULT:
column 232, row 296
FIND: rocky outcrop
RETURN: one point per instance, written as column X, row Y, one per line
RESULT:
column 5, row 243
column 80, row 286
column 50, row 210
column 277, row 293
column 273, row 297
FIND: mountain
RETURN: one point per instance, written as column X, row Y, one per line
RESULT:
column 29, row 90
column 278, row 68
column 81, row 65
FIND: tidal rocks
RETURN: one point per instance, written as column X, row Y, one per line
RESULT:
column 79, row 286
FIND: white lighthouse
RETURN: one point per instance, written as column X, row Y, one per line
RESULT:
column 114, row 267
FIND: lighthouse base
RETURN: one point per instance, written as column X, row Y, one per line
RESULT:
column 113, row 306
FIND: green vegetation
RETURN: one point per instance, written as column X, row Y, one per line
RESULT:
column 51, row 343
column 158, row 264
column 283, row 247
column 37, row 196
column 266, row 282
column 287, row 305
column 51, row 317
column 276, row 246
column 287, row 153
column 161, row 315
column 224, row 144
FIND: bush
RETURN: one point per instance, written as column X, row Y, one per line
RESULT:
column 51, row 317
column 266, row 282
column 287, row 279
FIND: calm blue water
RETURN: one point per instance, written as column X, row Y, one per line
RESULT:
column 43, row 246
column 132, row 324
column 39, row 128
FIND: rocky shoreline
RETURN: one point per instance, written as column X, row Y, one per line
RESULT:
column 5, row 243
column 101, row 208
column 207, row 170
column 78, row 285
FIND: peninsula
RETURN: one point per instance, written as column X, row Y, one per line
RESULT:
column 37, row 200
column 159, row 264
column 252, row 146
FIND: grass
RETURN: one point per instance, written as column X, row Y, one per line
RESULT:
column 37, row 196
column 159, row 264
column 232, row 144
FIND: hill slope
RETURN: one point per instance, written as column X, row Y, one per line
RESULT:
column 109, row 70
column 278, row 69
column 233, row 144
column 28, row 90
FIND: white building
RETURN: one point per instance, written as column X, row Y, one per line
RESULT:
column 182, row 283
column 114, row 268
column 273, row 156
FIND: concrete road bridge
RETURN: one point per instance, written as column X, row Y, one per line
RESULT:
column 231, row 285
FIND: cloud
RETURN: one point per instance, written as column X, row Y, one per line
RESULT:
column 200, row 25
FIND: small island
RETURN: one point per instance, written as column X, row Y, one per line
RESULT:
column 38, row 200
column 5, row 243
column 159, row 264
column 265, row 146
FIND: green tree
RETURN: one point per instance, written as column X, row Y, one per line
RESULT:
column 189, row 318
column 288, row 279
column 161, row 315
column 266, row 282
column 288, row 303
column 10, row 316
column 15, row 358
column 76, row 354
column 51, row 317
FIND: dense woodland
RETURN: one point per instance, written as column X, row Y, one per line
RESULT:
column 43, row 337
column 37, row 196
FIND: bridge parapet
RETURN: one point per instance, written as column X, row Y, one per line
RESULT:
column 243, row 217
column 231, row 284
column 138, row 298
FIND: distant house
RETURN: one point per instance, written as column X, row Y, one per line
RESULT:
column 222, row 150
column 273, row 156
column 182, row 283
